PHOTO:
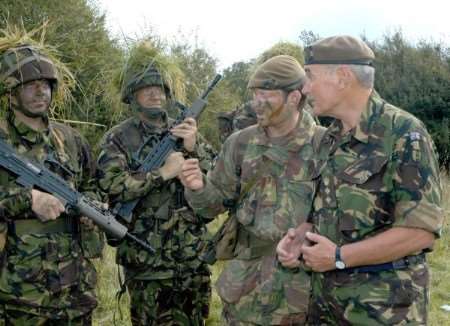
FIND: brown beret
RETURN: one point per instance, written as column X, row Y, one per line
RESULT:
column 339, row 50
column 279, row 72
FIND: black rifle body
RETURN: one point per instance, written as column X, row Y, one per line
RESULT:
column 34, row 175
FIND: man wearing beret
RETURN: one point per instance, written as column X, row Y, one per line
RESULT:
column 378, row 207
column 265, row 170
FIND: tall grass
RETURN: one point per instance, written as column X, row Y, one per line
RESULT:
column 439, row 261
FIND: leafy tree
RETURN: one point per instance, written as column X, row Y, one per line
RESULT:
column 287, row 48
column 200, row 68
column 307, row 37
column 237, row 77
column 417, row 79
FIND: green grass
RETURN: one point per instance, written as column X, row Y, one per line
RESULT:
column 440, row 282
column 439, row 261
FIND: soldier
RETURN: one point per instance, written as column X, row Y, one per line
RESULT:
column 266, row 170
column 241, row 117
column 171, row 287
column 46, row 273
column 378, row 207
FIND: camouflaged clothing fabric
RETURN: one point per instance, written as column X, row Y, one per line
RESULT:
column 172, row 301
column 46, row 275
column 381, row 175
column 254, row 287
column 175, row 232
column 240, row 118
column 20, row 318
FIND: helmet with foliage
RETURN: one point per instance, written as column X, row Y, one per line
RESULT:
column 147, row 65
column 23, row 64
column 25, row 57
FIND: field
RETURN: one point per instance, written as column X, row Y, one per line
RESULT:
column 439, row 261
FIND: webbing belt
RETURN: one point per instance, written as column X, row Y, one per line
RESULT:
column 401, row 263
column 35, row 226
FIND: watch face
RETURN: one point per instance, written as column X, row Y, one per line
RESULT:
column 340, row 264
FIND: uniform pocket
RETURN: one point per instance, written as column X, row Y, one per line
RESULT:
column 238, row 279
column 25, row 262
column 261, row 199
column 297, row 200
column 360, row 192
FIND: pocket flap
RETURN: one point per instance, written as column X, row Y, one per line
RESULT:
column 361, row 170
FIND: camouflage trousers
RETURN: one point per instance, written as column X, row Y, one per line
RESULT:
column 230, row 319
column 395, row 297
column 183, row 302
column 20, row 318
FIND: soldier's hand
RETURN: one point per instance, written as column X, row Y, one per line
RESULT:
column 187, row 130
column 45, row 206
column 320, row 256
column 288, row 250
column 191, row 175
column 172, row 166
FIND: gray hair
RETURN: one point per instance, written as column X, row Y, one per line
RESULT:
column 364, row 74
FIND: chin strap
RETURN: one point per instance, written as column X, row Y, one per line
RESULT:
column 150, row 113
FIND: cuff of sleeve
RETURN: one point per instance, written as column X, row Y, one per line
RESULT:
column 196, row 198
column 193, row 154
column 422, row 215
column 19, row 204
column 154, row 178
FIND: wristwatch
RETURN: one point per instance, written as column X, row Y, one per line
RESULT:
column 339, row 263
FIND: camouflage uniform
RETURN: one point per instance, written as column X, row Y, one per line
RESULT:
column 240, row 118
column 171, row 287
column 46, row 275
column 381, row 175
column 254, row 288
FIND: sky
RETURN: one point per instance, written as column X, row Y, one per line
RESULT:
column 238, row 30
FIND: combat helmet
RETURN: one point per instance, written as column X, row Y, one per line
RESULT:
column 147, row 65
column 22, row 64
column 149, row 76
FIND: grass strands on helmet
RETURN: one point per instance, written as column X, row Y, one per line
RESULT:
column 149, row 65
column 25, row 57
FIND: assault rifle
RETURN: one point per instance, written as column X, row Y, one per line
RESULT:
column 157, row 156
column 35, row 175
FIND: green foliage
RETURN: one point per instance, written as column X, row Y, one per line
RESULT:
column 236, row 77
column 280, row 48
column 417, row 79
column 12, row 36
column 200, row 68
column 77, row 29
column 440, row 271
column 148, row 54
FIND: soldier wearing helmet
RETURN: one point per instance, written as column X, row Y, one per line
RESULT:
column 266, row 171
column 46, row 274
column 173, row 285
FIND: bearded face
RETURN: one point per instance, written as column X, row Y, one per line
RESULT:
column 270, row 107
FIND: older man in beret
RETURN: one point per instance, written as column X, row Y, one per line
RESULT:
column 378, row 208
column 265, row 171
